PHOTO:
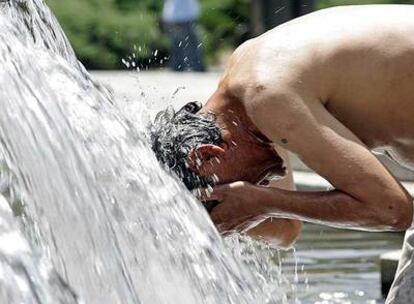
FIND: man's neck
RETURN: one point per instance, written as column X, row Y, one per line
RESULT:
column 231, row 115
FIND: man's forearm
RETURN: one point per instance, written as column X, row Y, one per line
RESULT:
column 334, row 208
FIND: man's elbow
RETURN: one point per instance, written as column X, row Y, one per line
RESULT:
column 399, row 216
column 290, row 240
column 280, row 233
column 402, row 221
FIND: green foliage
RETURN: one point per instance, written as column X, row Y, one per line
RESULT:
column 224, row 25
column 103, row 32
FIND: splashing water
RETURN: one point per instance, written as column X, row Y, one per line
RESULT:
column 96, row 218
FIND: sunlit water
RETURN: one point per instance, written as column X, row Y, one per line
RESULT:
column 97, row 220
column 337, row 266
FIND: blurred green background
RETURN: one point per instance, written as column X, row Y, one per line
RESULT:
column 103, row 32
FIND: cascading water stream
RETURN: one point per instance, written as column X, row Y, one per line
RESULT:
column 90, row 198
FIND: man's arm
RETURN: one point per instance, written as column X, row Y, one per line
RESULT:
column 366, row 195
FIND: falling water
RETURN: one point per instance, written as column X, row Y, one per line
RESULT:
column 95, row 218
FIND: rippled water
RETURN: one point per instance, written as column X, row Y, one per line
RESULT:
column 96, row 219
column 337, row 266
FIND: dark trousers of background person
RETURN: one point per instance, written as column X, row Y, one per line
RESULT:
column 185, row 52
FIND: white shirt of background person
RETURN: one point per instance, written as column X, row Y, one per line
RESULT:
column 176, row 11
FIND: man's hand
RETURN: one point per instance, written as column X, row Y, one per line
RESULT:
column 242, row 206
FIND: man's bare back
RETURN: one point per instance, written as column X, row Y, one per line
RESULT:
column 357, row 61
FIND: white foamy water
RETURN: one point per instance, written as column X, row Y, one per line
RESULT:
column 97, row 220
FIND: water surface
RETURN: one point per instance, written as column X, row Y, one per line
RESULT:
column 338, row 266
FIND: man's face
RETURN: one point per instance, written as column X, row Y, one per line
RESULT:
column 249, row 159
column 245, row 154
column 246, row 157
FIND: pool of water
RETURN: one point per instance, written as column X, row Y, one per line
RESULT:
column 337, row 266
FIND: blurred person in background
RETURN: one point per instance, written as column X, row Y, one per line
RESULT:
column 179, row 22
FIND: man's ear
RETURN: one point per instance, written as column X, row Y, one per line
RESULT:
column 200, row 157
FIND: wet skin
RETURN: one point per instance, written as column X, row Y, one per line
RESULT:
column 331, row 87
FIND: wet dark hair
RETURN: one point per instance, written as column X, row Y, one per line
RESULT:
column 175, row 134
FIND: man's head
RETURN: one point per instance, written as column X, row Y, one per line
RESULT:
column 205, row 148
column 175, row 134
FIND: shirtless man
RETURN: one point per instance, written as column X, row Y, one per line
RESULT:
column 331, row 87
